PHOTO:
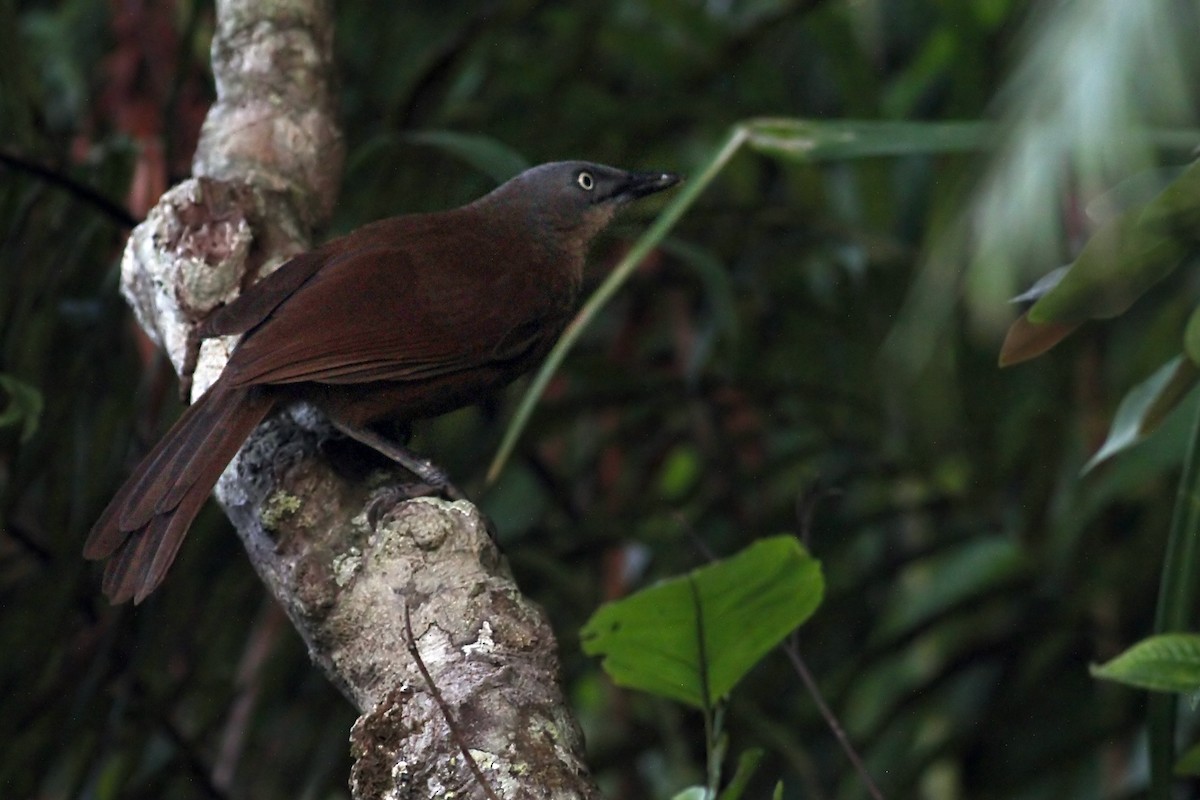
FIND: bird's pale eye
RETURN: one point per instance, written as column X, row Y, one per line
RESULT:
column 585, row 181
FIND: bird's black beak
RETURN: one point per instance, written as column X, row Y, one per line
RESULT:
column 640, row 184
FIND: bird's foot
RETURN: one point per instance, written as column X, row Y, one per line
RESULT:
column 191, row 354
column 385, row 499
column 428, row 473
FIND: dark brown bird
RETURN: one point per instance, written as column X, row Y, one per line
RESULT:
column 402, row 319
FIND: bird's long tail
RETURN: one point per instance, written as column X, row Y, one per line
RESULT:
column 141, row 530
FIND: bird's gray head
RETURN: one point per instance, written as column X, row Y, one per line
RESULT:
column 575, row 199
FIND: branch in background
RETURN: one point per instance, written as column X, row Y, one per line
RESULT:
column 110, row 208
column 792, row 649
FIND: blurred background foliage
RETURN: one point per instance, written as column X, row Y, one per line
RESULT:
column 812, row 350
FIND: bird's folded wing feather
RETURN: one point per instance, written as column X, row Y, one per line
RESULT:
column 394, row 313
column 252, row 306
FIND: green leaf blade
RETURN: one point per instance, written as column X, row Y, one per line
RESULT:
column 823, row 140
column 744, row 606
column 1119, row 263
column 1165, row 663
column 1177, row 207
column 1145, row 406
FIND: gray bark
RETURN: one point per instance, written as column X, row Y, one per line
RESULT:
column 267, row 170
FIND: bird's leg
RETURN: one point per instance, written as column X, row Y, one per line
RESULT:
column 423, row 469
column 187, row 370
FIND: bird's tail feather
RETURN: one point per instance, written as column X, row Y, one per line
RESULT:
column 144, row 525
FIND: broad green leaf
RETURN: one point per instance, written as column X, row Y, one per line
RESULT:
column 747, row 765
column 1127, row 255
column 23, row 406
column 692, row 638
column 1123, row 259
column 483, row 153
column 692, row 793
column 820, row 140
column 1166, row 663
column 1145, row 406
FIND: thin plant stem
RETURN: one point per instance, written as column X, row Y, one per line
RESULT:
column 710, row 729
column 443, row 706
column 792, row 649
column 93, row 197
column 1176, row 599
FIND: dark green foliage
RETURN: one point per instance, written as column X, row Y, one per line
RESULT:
column 795, row 356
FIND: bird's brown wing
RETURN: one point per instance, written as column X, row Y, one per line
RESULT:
column 253, row 305
column 411, row 311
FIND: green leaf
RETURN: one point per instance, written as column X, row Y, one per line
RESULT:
column 680, row 471
column 483, row 153
column 1177, row 208
column 747, row 765
column 1166, row 663
column 23, row 407
column 820, row 140
column 692, row 793
column 694, row 637
column 1145, row 406
column 1125, row 257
